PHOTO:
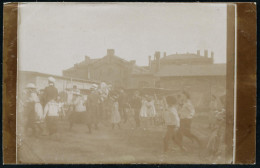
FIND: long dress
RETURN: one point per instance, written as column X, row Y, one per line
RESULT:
column 78, row 115
column 115, row 115
column 150, row 109
column 143, row 111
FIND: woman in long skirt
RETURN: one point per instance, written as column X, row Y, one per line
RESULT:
column 79, row 113
column 51, row 114
column 115, row 115
column 151, row 112
column 143, row 112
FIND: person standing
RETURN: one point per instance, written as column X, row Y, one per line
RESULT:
column 50, row 92
column 78, row 113
column 187, row 112
column 143, row 112
column 32, row 110
column 136, row 105
column 151, row 112
column 115, row 115
column 122, row 100
column 172, row 121
column 92, row 105
column 51, row 115
column 214, row 108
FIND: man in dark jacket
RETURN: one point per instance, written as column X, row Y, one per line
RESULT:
column 50, row 92
column 136, row 105
column 92, row 108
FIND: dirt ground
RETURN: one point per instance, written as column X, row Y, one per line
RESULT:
column 125, row 145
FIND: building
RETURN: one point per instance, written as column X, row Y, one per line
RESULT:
column 192, row 72
column 110, row 69
column 41, row 81
column 201, row 81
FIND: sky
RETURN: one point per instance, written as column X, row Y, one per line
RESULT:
column 54, row 36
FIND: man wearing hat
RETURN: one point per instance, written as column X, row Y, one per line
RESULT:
column 50, row 92
column 32, row 110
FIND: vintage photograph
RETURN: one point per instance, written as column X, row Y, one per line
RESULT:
column 102, row 83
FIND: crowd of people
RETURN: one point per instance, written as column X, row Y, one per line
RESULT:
column 115, row 106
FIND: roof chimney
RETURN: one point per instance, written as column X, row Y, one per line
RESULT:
column 198, row 52
column 87, row 58
column 212, row 54
column 157, row 60
column 212, row 57
column 150, row 61
column 110, row 52
column 206, row 53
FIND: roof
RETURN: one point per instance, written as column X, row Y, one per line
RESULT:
column 181, row 56
column 192, row 70
column 56, row 76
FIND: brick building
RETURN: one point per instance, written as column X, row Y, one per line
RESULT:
column 110, row 69
column 192, row 72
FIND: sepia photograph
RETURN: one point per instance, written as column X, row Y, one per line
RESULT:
column 124, row 83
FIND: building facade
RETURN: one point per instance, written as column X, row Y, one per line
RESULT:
column 110, row 69
column 192, row 72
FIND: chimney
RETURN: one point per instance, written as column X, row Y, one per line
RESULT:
column 164, row 54
column 110, row 52
column 198, row 52
column 150, row 61
column 212, row 54
column 206, row 53
column 212, row 57
column 157, row 60
column 87, row 58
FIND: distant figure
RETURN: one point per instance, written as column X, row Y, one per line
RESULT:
column 33, row 112
column 215, row 106
column 51, row 115
column 122, row 100
column 151, row 112
column 217, row 135
column 136, row 105
column 78, row 114
column 143, row 112
column 92, row 105
column 172, row 121
column 50, row 92
column 115, row 115
column 187, row 112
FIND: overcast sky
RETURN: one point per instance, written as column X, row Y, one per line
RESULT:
column 54, row 36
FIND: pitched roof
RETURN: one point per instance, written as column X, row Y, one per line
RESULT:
column 192, row 70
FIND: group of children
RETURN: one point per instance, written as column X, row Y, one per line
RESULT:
column 175, row 111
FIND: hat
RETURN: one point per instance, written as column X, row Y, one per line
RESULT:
column 94, row 87
column 30, row 86
column 51, row 79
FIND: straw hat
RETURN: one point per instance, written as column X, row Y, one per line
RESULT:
column 51, row 79
column 30, row 86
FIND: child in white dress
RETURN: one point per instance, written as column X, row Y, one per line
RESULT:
column 115, row 115
column 151, row 112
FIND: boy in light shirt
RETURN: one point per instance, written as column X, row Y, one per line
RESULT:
column 172, row 122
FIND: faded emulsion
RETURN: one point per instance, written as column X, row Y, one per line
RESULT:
column 122, row 87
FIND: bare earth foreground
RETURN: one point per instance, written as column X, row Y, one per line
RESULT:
column 125, row 145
